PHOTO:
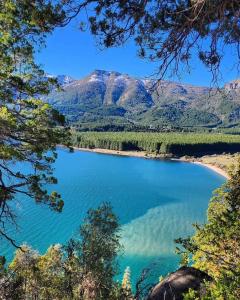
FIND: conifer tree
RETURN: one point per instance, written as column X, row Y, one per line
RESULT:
column 169, row 32
column 29, row 128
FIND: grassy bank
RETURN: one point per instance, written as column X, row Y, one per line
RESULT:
column 224, row 162
column 176, row 144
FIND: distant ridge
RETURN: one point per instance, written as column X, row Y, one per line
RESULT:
column 233, row 85
column 112, row 98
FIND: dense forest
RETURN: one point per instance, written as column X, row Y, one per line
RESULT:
column 176, row 144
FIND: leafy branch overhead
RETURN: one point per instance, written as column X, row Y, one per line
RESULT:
column 168, row 31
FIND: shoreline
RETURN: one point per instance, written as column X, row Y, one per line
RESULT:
column 213, row 168
column 143, row 154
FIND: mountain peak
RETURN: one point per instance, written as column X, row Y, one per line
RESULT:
column 104, row 72
column 106, row 96
column 102, row 75
column 232, row 85
column 62, row 79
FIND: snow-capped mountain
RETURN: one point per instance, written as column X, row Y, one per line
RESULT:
column 109, row 94
column 65, row 79
column 62, row 79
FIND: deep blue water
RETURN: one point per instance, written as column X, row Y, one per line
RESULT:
column 156, row 201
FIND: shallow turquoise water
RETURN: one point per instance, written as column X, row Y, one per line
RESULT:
column 156, row 201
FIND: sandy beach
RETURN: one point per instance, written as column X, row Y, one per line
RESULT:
column 214, row 168
column 143, row 154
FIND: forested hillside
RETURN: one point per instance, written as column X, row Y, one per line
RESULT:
column 111, row 101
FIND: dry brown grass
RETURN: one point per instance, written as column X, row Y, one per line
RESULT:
column 223, row 161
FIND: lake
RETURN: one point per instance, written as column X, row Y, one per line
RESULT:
column 156, row 201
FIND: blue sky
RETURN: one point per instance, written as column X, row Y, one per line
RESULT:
column 72, row 52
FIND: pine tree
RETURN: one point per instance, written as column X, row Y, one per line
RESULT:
column 29, row 128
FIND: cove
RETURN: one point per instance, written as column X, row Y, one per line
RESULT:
column 156, row 201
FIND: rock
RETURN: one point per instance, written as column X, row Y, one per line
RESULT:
column 177, row 283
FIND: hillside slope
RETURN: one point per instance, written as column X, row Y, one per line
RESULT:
column 112, row 99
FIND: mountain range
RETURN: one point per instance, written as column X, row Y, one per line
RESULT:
column 107, row 100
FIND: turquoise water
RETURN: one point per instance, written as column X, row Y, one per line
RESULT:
column 156, row 201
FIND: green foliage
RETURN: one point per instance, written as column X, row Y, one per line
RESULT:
column 38, row 276
column 191, row 295
column 29, row 128
column 98, row 249
column 169, row 31
column 215, row 246
column 84, row 269
column 162, row 143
